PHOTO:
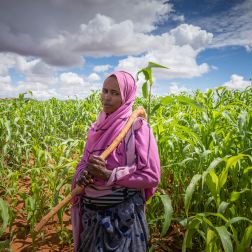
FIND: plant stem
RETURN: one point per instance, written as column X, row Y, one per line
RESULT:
column 149, row 105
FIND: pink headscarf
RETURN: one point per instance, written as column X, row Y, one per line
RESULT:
column 105, row 129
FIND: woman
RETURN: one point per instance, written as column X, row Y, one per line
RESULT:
column 109, row 215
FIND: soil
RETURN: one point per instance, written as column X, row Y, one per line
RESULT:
column 47, row 241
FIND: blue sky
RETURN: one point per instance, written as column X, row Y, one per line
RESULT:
column 61, row 48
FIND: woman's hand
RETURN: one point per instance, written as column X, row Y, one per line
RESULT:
column 97, row 167
column 85, row 179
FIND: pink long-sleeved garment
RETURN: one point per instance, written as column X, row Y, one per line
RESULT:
column 142, row 165
column 145, row 172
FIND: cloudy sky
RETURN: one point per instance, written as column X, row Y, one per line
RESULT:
column 62, row 48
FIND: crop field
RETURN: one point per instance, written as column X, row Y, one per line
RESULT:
column 204, row 200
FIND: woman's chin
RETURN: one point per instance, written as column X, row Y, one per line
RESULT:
column 107, row 111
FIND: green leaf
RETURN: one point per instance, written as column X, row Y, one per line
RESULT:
column 236, row 219
column 187, row 241
column 168, row 211
column 30, row 92
column 149, row 71
column 183, row 162
column 234, row 196
column 151, row 249
column 167, row 100
column 222, row 207
column 206, row 220
column 145, row 90
column 212, row 182
column 21, row 96
column 247, row 169
column 211, row 241
column 246, row 240
column 225, row 238
column 153, row 64
column 147, row 74
column 208, row 202
column 223, row 177
column 8, row 127
column 4, row 211
column 234, row 159
column 4, row 245
column 188, row 101
column 214, row 163
column 189, row 191
column 155, row 108
column 219, row 215
column 212, row 166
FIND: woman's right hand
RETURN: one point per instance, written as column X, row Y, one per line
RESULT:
column 85, row 179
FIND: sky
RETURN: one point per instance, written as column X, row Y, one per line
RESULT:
column 65, row 49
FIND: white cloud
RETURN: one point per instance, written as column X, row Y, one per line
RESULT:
column 5, row 86
column 171, row 49
column 7, row 61
column 214, row 67
column 94, row 77
column 102, row 36
column 168, row 88
column 191, row 35
column 91, row 28
column 232, row 27
column 105, row 33
column 176, row 89
column 176, row 50
column 237, row 82
column 70, row 78
column 5, row 79
column 97, row 30
column 102, row 68
column 42, row 80
column 248, row 48
column 181, row 62
column 179, row 18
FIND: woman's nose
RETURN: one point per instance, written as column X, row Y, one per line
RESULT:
column 107, row 96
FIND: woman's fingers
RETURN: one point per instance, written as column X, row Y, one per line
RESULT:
column 84, row 179
column 96, row 160
column 97, row 167
column 100, row 159
column 97, row 170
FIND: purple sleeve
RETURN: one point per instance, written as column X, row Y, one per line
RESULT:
column 146, row 172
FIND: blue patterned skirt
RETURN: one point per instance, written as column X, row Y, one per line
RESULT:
column 121, row 228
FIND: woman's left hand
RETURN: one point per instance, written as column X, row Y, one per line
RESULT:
column 97, row 167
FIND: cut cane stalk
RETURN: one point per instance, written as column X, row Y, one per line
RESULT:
column 140, row 112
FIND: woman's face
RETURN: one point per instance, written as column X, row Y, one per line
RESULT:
column 111, row 97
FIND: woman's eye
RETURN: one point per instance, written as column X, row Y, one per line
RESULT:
column 114, row 93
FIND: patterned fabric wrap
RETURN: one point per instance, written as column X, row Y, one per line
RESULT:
column 122, row 228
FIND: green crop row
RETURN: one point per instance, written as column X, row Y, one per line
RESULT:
column 204, row 201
